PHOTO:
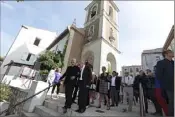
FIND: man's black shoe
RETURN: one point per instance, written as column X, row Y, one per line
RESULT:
column 157, row 114
column 112, row 105
column 77, row 111
column 82, row 111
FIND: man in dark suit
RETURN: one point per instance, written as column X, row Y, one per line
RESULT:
column 84, row 82
column 165, row 74
column 71, row 75
column 115, row 83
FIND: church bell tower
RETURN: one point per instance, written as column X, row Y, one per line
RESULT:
column 101, row 35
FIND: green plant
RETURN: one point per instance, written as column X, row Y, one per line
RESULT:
column 44, row 72
column 50, row 60
column 1, row 58
column 5, row 92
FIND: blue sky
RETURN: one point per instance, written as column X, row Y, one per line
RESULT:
column 142, row 24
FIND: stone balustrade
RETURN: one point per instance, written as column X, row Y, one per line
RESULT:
column 17, row 95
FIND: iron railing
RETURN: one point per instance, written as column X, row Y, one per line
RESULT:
column 7, row 111
column 141, row 99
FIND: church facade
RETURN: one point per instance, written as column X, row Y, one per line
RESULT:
column 97, row 42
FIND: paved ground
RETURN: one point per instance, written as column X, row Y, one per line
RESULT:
column 114, row 111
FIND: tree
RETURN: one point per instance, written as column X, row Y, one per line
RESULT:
column 50, row 60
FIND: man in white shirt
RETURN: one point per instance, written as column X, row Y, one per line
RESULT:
column 127, row 83
column 84, row 82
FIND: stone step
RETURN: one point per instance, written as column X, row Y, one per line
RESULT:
column 10, row 116
column 25, row 114
column 45, row 112
column 57, row 105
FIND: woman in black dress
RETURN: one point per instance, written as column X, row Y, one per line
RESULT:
column 103, row 87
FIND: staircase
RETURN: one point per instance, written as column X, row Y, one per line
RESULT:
column 53, row 107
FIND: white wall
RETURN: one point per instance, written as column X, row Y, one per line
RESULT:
column 23, row 45
column 150, row 60
column 60, row 44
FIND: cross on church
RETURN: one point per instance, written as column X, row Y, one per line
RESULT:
column 74, row 22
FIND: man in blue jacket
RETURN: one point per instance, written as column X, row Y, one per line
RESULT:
column 165, row 74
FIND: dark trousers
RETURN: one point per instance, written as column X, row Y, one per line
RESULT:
column 114, row 95
column 88, row 97
column 152, row 97
column 146, row 101
column 58, row 88
column 136, row 95
column 69, row 87
column 82, row 96
column 170, row 95
column 75, row 93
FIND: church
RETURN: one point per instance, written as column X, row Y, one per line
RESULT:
column 97, row 42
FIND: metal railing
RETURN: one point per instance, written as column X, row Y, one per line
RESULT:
column 7, row 111
column 141, row 99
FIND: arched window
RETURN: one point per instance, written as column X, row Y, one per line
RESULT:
column 90, row 32
column 93, row 11
column 110, row 11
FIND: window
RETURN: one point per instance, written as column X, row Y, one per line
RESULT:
column 36, row 42
column 137, row 69
column 28, row 57
column 110, row 11
column 93, row 11
column 131, row 70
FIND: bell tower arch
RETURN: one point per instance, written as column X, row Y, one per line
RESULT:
column 101, row 32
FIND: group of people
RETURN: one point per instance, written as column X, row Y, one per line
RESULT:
column 81, row 78
column 158, row 86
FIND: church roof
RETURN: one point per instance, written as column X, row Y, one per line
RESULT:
column 64, row 33
column 38, row 29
